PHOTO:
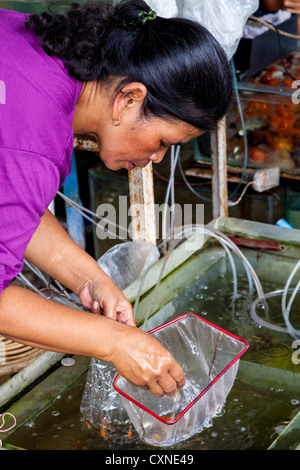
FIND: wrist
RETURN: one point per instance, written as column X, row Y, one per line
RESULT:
column 87, row 273
column 109, row 349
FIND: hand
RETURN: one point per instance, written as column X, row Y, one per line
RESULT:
column 53, row 251
column 143, row 361
column 292, row 6
column 104, row 296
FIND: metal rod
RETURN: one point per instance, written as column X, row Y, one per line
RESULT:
column 143, row 225
column 219, row 170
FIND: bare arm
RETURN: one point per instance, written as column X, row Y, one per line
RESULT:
column 272, row 5
column 53, row 251
column 34, row 320
column 30, row 319
column 292, row 6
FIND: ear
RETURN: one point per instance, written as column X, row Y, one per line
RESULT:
column 131, row 95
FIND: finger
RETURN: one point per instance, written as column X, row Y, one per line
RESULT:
column 156, row 389
column 292, row 6
column 291, row 3
column 95, row 307
column 291, row 10
column 109, row 310
column 127, row 317
column 125, row 313
column 168, row 385
column 85, row 296
column 178, row 375
column 130, row 322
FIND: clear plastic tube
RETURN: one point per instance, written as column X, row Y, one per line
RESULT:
column 170, row 190
column 205, row 230
column 264, row 323
column 286, row 314
column 173, row 167
column 166, row 257
column 283, row 303
column 226, row 243
column 248, row 267
column 286, row 308
column 251, row 274
column 84, row 211
column 200, row 196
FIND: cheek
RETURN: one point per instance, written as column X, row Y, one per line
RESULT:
column 114, row 157
column 111, row 161
column 124, row 147
column 110, row 150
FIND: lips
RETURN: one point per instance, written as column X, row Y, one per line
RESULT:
column 131, row 166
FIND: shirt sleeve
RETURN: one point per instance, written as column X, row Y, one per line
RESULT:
column 28, row 183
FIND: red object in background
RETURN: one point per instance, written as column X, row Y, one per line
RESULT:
column 257, row 154
column 257, row 244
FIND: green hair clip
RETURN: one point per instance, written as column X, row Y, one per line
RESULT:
column 144, row 16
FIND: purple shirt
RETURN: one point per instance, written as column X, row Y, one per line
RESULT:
column 37, row 103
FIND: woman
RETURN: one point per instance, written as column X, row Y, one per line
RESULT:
column 137, row 82
column 293, row 6
column 274, row 5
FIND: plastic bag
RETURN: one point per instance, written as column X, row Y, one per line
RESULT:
column 101, row 405
column 126, row 262
column 209, row 357
column 277, row 18
column 225, row 19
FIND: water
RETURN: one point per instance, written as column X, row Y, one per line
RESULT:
column 214, row 301
column 251, row 418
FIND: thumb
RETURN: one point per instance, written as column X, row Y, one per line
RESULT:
column 85, row 296
column 110, row 310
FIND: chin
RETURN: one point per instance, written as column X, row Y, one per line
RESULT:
column 111, row 165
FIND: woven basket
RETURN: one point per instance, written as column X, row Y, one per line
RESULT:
column 14, row 356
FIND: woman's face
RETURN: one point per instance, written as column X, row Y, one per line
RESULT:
column 133, row 140
column 137, row 142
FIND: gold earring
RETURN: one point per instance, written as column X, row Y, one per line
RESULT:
column 115, row 123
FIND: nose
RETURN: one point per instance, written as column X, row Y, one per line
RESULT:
column 157, row 157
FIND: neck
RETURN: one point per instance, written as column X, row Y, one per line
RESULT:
column 87, row 109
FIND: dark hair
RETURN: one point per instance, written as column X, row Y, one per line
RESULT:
column 183, row 67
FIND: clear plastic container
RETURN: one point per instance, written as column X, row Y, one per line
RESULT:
column 209, row 357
